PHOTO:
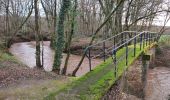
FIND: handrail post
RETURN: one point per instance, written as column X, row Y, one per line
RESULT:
column 126, row 53
column 89, row 57
column 114, row 44
column 126, row 47
column 122, row 38
column 149, row 38
column 141, row 36
column 104, row 53
column 144, row 40
column 115, row 61
column 115, row 58
column 125, row 37
column 135, row 45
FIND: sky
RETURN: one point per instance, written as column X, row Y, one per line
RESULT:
column 159, row 21
column 168, row 24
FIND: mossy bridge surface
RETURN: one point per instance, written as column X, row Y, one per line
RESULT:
column 126, row 48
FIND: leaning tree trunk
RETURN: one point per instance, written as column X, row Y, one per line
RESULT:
column 95, row 33
column 70, row 38
column 60, row 35
column 37, row 31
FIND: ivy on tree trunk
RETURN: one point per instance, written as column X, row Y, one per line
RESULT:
column 60, row 35
column 68, row 43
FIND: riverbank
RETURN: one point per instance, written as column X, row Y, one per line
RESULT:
column 17, row 81
column 23, row 51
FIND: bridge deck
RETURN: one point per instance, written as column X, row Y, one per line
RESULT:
column 93, row 85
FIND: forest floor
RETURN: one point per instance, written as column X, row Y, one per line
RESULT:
column 17, row 81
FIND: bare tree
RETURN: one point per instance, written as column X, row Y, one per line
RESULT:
column 37, row 31
column 95, row 33
column 17, row 12
column 68, row 43
column 50, row 9
column 60, row 37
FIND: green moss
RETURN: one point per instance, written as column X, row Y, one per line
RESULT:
column 164, row 38
column 6, row 57
column 95, row 84
column 60, row 34
column 108, row 79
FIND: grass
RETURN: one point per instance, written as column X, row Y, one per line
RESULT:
column 164, row 40
column 4, row 56
column 95, row 84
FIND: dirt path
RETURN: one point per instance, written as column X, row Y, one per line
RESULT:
column 159, row 77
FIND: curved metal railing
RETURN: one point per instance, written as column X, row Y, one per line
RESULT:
column 109, row 47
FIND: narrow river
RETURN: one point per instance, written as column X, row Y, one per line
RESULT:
column 25, row 52
column 158, row 87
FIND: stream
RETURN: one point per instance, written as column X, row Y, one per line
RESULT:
column 25, row 52
column 158, row 87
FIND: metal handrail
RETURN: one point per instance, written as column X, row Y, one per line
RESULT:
column 124, row 32
column 144, row 38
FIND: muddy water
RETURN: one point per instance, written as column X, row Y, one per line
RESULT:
column 158, row 84
column 158, row 87
column 25, row 52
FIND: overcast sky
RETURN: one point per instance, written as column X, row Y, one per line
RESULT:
column 160, row 20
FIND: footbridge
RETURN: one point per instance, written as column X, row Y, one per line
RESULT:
column 118, row 53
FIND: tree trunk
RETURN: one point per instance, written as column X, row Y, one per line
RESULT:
column 95, row 33
column 7, row 28
column 118, row 18
column 52, row 44
column 70, row 38
column 37, row 31
column 60, row 35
